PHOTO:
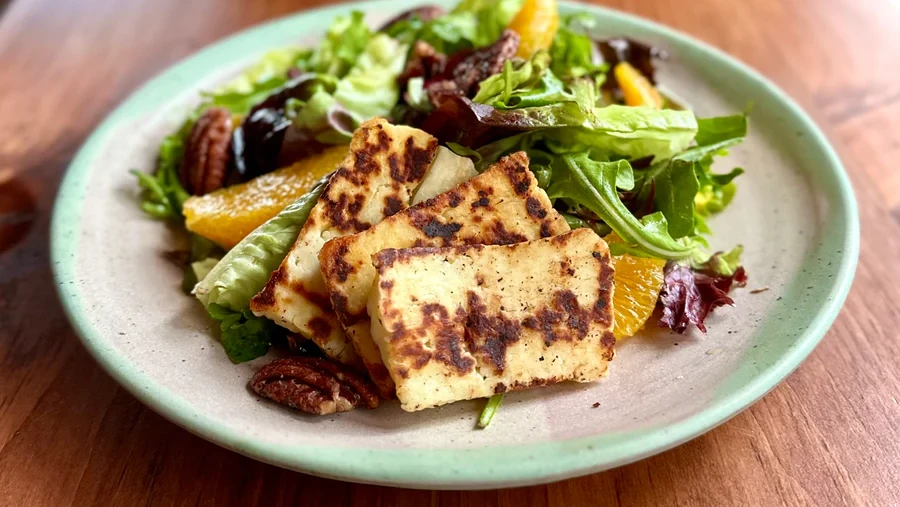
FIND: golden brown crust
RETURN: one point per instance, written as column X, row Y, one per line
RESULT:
column 487, row 319
column 382, row 169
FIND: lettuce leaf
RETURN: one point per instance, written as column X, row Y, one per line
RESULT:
column 711, row 131
column 524, row 84
column 565, row 127
column 491, row 17
column 370, row 88
column 573, row 53
column 714, row 137
column 580, row 180
column 471, row 24
column 162, row 194
column 246, row 268
column 255, row 83
column 691, row 289
column 345, row 40
column 244, row 336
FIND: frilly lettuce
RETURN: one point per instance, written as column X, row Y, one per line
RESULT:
column 471, row 24
column 370, row 88
column 573, row 53
column 257, row 82
column 345, row 40
column 246, row 268
column 527, row 83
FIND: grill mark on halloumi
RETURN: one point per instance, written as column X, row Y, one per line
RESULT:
column 383, row 168
column 493, row 318
column 503, row 205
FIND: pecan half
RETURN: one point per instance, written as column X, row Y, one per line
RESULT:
column 314, row 385
column 206, row 154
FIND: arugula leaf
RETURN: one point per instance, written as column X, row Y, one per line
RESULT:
column 714, row 137
column 244, row 336
column 675, row 189
column 684, row 187
column 163, row 196
column 580, row 180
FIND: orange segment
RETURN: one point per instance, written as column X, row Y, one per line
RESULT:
column 637, row 284
column 226, row 216
column 536, row 23
column 636, row 88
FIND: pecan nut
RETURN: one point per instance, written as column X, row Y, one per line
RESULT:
column 314, row 385
column 206, row 152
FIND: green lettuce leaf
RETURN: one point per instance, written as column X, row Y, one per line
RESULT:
column 370, row 88
column 491, row 16
column 714, row 137
column 162, row 194
column 256, row 82
column 721, row 128
column 246, row 268
column 675, row 189
column 244, row 336
column 471, row 24
column 608, row 132
column 573, row 53
column 580, row 180
column 345, row 40
column 524, row 84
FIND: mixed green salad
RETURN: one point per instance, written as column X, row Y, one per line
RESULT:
column 488, row 78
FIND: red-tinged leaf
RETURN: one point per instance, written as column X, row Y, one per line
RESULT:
column 689, row 294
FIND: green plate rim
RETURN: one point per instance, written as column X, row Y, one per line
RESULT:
column 500, row 466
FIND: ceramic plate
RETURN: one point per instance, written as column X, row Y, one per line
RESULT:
column 794, row 212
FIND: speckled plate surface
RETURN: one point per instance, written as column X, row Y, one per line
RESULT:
column 794, row 212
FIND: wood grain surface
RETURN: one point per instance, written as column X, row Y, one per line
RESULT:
column 829, row 435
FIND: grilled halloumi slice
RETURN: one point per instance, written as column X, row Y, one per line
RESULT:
column 464, row 322
column 501, row 206
column 385, row 166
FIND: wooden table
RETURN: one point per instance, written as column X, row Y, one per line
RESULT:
column 829, row 435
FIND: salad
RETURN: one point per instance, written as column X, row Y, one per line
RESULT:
column 349, row 161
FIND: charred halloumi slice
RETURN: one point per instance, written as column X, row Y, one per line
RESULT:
column 503, row 205
column 457, row 323
column 379, row 177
